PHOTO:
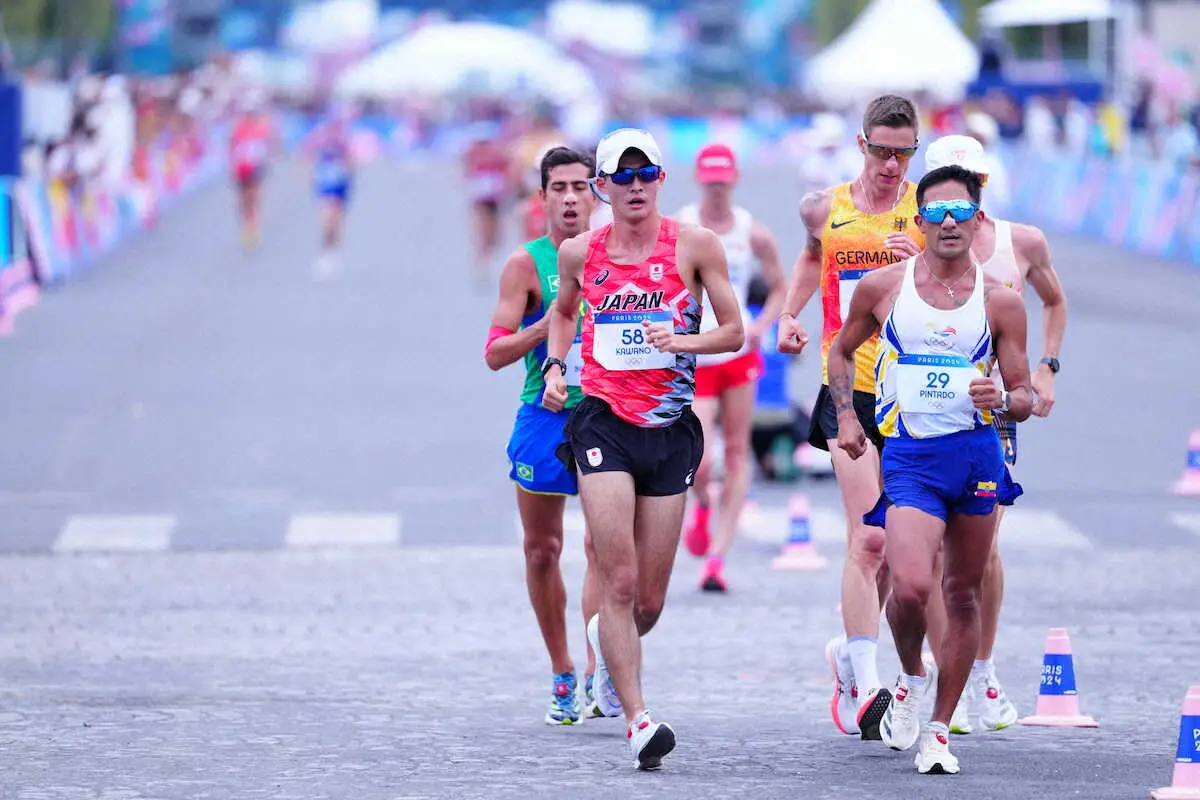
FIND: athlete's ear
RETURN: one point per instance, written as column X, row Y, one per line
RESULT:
column 662, row 175
column 862, row 143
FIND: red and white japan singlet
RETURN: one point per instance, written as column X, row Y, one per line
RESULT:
column 641, row 385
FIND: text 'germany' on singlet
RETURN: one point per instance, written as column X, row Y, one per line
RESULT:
column 853, row 244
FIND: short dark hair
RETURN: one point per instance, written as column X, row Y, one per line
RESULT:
column 560, row 157
column 946, row 174
column 889, row 111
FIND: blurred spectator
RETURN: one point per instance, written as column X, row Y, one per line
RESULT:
column 1178, row 139
column 986, row 131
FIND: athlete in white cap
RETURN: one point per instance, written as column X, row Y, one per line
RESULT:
column 1015, row 254
column 633, row 438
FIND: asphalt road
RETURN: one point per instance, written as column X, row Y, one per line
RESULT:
column 257, row 539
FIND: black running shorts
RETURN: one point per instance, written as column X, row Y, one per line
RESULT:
column 663, row 461
column 824, row 431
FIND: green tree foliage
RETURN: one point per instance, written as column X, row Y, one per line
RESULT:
column 831, row 17
column 80, row 20
column 24, row 19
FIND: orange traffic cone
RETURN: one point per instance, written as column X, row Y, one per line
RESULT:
column 1058, row 700
column 1185, row 781
column 799, row 554
column 1189, row 483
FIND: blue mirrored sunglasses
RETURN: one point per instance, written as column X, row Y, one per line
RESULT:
column 935, row 212
column 646, row 174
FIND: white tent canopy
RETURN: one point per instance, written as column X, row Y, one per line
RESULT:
column 1009, row 13
column 331, row 25
column 898, row 46
column 595, row 23
column 443, row 58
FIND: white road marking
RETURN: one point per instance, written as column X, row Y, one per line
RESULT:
column 342, row 530
column 115, row 533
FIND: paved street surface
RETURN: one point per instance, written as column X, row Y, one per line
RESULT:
column 256, row 540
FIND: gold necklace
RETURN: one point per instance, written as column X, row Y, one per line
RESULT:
column 867, row 197
column 949, row 286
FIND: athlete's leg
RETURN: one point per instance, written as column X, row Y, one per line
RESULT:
column 657, row 521
column 591, row 595
column 913, row 538
column 860, row 487
column 991, row 595
column 252, row 196
column 542, row 520
column 697, row 539
column 935, row 611
column 243, row 193
column 331, row 221
column 968, row 546
column 737, row 414
column 608, row 506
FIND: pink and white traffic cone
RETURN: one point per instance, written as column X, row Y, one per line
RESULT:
column 1189, row 483
column 1058, row 699
column 799, row 553
column 1185, row 781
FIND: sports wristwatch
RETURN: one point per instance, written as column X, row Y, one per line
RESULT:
column 1003, row 402
column 1051, row 362
column 554, row 362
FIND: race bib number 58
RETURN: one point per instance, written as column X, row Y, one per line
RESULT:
column 619, row 340
column 934, row 384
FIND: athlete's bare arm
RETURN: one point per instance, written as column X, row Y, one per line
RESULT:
column 806, row 275
column 1031, row 244
column 564, row 312
column 766, row 251
column 1009, row 325
column 700, row 252
column 867, row 305
column 519, row 294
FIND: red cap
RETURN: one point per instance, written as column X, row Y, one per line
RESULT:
column 715, row 163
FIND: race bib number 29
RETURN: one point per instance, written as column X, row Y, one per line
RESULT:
column 934, row 384
column 619, row 340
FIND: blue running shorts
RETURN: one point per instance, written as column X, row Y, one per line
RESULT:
column 535, row 466
column 962, row 473
column 335, row 191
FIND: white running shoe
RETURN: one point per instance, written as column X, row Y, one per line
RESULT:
column 901, row 726
column 605, row 694
column 996, row 711
column 649, row 741
column 844, row 706
column 960, row 722
column 933, row 754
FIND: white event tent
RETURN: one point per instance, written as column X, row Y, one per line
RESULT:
column 901, row 46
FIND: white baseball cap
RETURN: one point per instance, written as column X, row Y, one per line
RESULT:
column 958, row 150
column 613, row 146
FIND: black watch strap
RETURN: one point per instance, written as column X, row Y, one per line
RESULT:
column 1051, row 362
column 554, row 362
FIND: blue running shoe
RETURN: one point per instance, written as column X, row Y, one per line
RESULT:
column 564, row 703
